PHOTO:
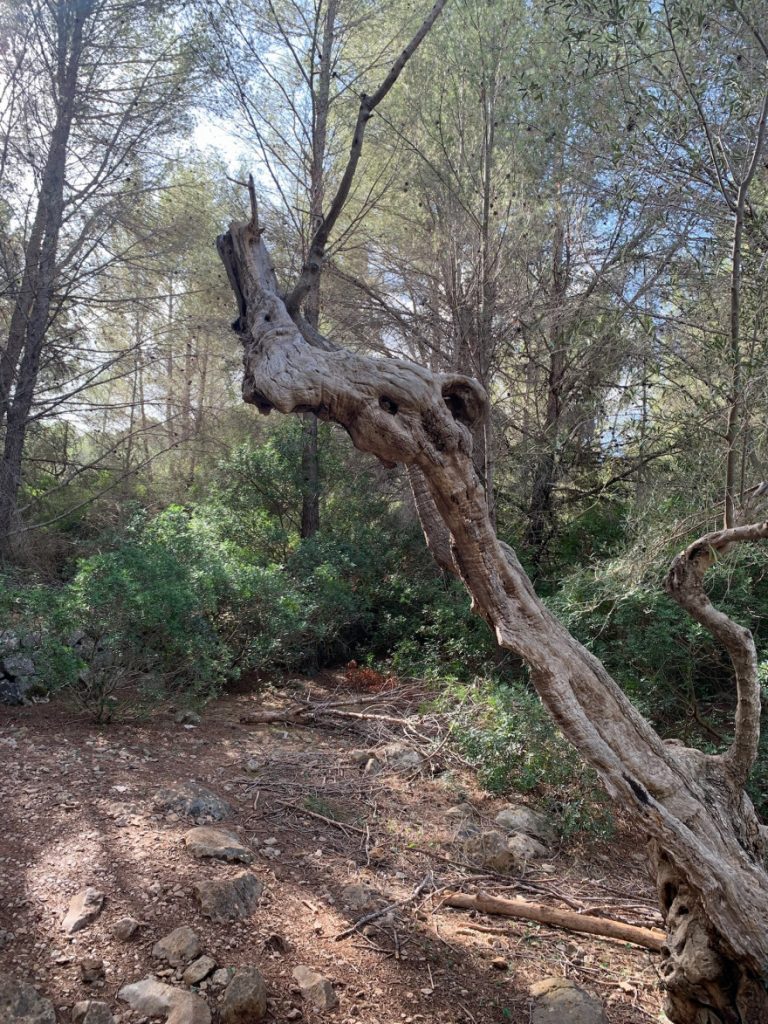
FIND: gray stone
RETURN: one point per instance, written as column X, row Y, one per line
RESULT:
column 206, row 841
column 491, row 850
column 91, row 1011
column 229, row 899
column 14, row 691
column 519, row 818
column 152, row 998
column 16, row 665
column 245, row 997
column 32, row 641
column 315, row 988
column 526, row 847
column 125, row 928
column 360, row 898
column 83, row 908
column 359, row 757
column 460, row 812
column 221, row 977
column 559, row 1001
column 20, row 1003
column 193, row 800
column 199, row 970
column 179, row 947
column 91, row 970
column 400, row 757
column 9, row 641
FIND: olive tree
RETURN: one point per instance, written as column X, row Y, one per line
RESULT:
column 706, row 844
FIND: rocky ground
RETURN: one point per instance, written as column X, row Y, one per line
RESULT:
column 219, row 870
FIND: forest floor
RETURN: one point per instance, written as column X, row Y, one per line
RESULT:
column 77, row 811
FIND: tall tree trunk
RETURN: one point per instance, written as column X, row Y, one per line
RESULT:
column 310, row 453
column 29, row 320
column 709, row 845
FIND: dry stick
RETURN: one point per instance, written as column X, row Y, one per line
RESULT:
column 304, row 716
column 650, row 938
column 384, row 910
column 343, row 825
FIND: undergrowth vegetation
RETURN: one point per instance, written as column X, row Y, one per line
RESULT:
column 165, row 608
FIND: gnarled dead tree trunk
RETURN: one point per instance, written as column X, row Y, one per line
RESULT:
column 707, row 845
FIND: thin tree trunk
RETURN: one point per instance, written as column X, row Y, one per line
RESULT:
column 310, row 453
column 541, row 508
column 32, row 312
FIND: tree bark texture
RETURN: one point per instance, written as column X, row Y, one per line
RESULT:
column 709, row 847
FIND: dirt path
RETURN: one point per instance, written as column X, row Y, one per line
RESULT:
column 77, row 811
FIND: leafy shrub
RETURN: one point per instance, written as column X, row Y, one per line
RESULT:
column 502, row 728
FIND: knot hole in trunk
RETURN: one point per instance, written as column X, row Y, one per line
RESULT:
column 465, row 400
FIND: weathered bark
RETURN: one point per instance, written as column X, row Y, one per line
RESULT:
column 691, row 804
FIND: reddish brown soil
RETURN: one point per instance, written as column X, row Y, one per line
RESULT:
column 77, row 811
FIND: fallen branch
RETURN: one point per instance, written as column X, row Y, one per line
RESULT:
column 288, row 716
column 343, row 825
column 304, row 716
column 367, row 918
column 650, row 938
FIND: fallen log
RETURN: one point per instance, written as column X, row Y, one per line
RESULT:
column 649, row 938
column 305, row 716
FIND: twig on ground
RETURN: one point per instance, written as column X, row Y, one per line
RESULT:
column 376, row 914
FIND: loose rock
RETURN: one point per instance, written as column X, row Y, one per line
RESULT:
column 199, row 970
column 179, row 947
column 20, row 1003
column 559, row 1001
column 245, row 998
column 400, row 757
column 91, row 1011
column 206, row 841
column 153, row 998
column 221, row 977
column 91, row 970
column 526, row 847
column 230, row 899
column 519, row 818
column 16, row 665
column 315, row 988
column 126, row 928
column 492, row 851
column 14, row 691
column 83, row 908
column 193, row 800
column 360, row 898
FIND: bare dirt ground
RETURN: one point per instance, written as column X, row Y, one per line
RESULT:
column 77, row 811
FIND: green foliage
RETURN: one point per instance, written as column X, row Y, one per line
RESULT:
column 504, row 731
column 147, row 608
column 663, row 659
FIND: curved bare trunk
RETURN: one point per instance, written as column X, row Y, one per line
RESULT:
column 709, row 846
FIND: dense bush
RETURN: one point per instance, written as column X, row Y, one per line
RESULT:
column 170, row 606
